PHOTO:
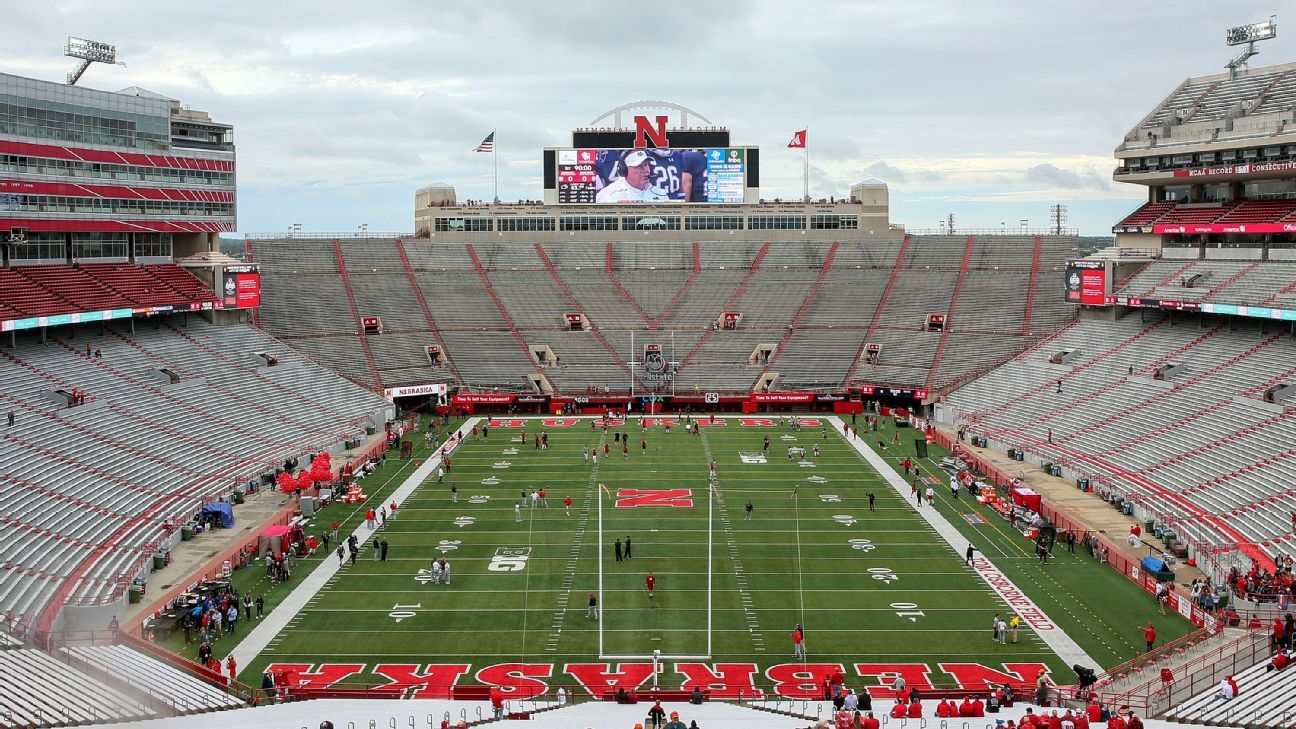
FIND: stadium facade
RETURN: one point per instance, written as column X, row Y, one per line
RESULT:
column 113, row 176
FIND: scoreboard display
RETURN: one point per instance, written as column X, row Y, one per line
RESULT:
column 611, row 176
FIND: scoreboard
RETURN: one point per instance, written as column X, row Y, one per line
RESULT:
column 592, row 176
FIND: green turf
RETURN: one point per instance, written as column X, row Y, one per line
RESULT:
column 793, row 563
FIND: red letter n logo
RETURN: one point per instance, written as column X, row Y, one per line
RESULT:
column 675, row 498
column 645, row 132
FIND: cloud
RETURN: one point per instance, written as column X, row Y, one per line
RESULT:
column 325, row 100
column 1056, row 177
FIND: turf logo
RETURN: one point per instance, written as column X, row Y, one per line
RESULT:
column 464, row 521
column 830, row 498
column 674, row 498
column 862, row 545
column 448, row 545
column 501, row 464
column 492, row 481
column 752, row 457
column 816, row 479
column 845, row 519
column 479, row 498
column 509, row 559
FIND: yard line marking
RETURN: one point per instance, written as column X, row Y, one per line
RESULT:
column 578, row 541
column 740, row 576
column 293, row 604
column 1062, row 644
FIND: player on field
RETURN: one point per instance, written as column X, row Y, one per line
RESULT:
column 798, row 642
column 651, row 583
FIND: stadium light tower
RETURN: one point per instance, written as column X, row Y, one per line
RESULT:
column 1058, row 216
column 89, row 52
column 1248, row 35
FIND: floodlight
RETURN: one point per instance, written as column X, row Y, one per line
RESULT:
column 1251, row 33
column 89, row 52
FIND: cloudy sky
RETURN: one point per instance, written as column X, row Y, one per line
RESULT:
column 991, row 110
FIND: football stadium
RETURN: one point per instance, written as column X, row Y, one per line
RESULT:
column 645, row 448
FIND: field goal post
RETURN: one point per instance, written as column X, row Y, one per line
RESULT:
column 657, row 655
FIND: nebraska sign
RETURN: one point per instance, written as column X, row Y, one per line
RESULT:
column 720, row 680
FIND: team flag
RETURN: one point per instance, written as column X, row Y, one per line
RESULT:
column 487, row 145
column 798, row 140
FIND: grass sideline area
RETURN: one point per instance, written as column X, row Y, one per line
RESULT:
column 871, row 587
column 253, row 580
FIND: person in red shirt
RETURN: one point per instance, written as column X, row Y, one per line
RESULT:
column 232, row 667
column 798, row 642
column 651, row 583
column 497, row 701
column 1081, row 720
column 945, row 709
column 914, row 711
column 643, row 445
column 965, row 708
column 1149, row 636
column 1054, row 721
column 1027, row 720
column 1094, row 712
column 335, row 530
column 567, row 504
column 899, row 711
column 870, row 722
column 978, row 707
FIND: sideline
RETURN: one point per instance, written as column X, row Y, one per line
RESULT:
column 294, row 603
column 1048, row 631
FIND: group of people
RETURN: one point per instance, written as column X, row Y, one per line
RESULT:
column 1259, row 584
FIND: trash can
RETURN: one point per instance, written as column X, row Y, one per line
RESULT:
column 1048, row 467
column 159, row 561
column 1021, row 455
column 186, row 533
column 237, row 498
column 370, row 430
column 133, row 593
column 1012, row 453
column 1117, row 501
column 1083, row 483
column 1168, row 537
column 1129, row 509
column 1056, row 470
column 1149, row 525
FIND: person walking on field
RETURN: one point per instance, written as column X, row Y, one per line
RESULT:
column 627, row 547
column 651, row 583
column 567, row 504
column 798, row 642
column 592, row 612
column 616, row 547
column 748, row 509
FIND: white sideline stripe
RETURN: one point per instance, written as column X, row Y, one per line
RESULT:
column 1048, row 631
column 292, row 606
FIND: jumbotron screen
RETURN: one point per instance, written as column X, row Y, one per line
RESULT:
column 611, row 176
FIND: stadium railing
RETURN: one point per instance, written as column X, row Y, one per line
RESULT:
column 1154, row 696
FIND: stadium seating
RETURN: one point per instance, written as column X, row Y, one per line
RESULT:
column 56, row 289
column 40, row 691
column 1254, row 283
column 99, row 481
column 1264, row 698
column 1198, row 446
column 181, row 692
column 488, row 302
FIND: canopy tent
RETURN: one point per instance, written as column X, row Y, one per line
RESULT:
column 274, row 540
column 223, row 511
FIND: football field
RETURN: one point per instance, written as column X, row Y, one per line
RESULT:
column 876, row 588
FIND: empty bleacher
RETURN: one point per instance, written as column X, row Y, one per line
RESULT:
column 144, row 451
column 48, row 290
column 485, row 318
column 181, row 692
column 39, row 691
column 1265, row 698
column 1200, row 443
column 1246, row 282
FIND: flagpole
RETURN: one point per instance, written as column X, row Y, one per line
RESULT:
column 495, row 154
column 806, row 191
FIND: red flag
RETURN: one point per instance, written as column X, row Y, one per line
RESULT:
column 798, row 140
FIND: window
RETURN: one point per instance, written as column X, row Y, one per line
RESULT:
column 834, row 222
column 100, row 245
column 41, row 247
column 713, row 222
column 530, row 224
column 776, row 222
column 650, row 222
column 152, row 245
column 587, row 222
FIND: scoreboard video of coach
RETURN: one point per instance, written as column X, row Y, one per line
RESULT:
column 612, row 175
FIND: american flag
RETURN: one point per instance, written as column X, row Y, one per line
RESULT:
column 487, row 145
